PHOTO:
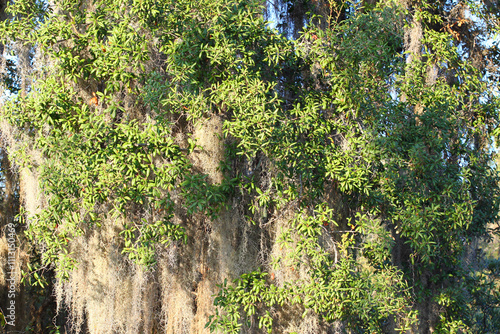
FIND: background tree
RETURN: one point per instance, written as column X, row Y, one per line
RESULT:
column 186, row 168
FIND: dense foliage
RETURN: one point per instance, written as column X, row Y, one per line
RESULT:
column 380, row 155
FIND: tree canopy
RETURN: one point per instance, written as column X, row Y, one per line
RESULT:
column 332, row 171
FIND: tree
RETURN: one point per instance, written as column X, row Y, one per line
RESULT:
column 187, row 160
